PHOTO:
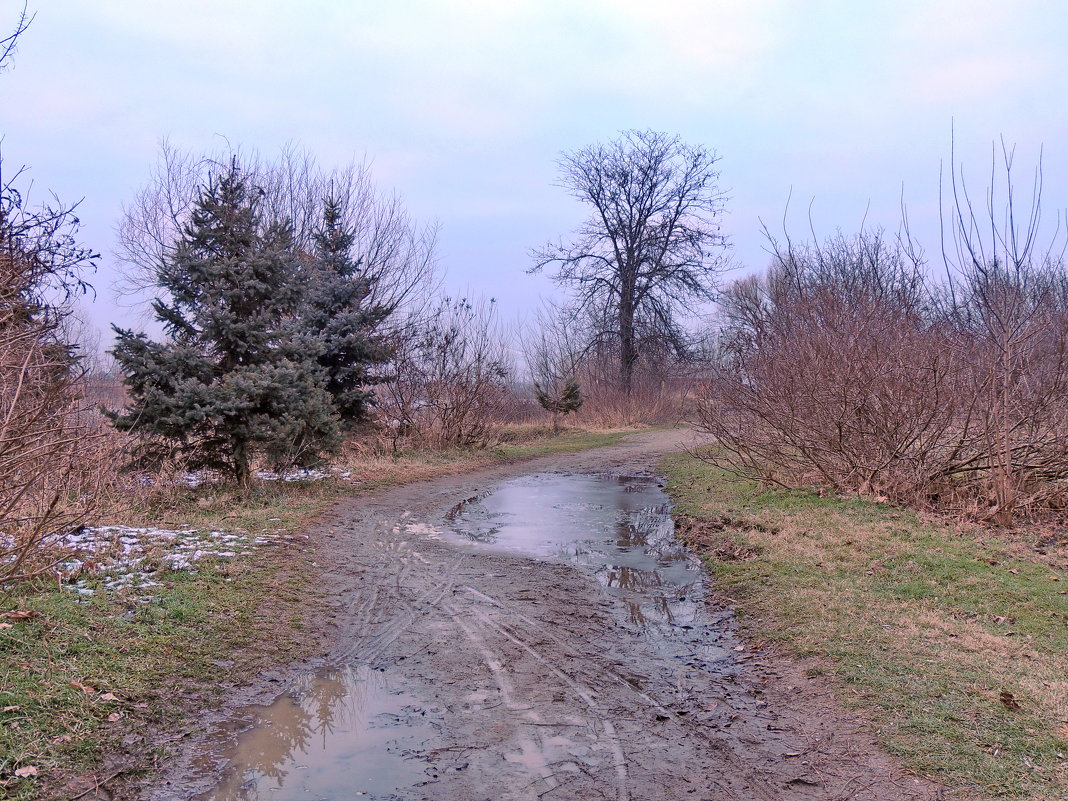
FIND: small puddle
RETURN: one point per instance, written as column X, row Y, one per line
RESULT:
column 617, row 527
column 342, row 733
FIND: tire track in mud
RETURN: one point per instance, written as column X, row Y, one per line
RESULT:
column 757, row 786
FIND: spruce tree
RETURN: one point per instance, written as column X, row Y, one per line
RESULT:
column 236, row 376
column 339, row 313
column 562, row 399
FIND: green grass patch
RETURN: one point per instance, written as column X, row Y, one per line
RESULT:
column 85, row 668
column 954, row 643
column 567, row 441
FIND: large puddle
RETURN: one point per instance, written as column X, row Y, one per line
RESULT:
column 345, row 733
column 617, row 527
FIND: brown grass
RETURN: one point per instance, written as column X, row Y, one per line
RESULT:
column 952, row 639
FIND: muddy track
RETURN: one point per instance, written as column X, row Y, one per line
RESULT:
column 537, row 685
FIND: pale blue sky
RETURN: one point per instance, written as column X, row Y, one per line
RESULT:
column 464, row 106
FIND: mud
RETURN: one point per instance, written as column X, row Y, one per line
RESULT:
column 529, row 632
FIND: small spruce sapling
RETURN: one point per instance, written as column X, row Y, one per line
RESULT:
column 561, row 400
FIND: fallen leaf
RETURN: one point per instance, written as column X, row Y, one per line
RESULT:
column 63, row 738
column 1015, row 572
column 20, row 614
column 109, row 697
column 1009, row 700
column 114, row 717
column 7, row 625
column 12, row 708
column 85, row 688
column 26, row 772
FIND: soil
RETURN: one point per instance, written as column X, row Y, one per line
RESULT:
column 455, row 673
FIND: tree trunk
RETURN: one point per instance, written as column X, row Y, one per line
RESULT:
column 242, row 468
column 628, row 354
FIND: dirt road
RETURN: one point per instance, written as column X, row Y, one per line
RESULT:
column 464, row 674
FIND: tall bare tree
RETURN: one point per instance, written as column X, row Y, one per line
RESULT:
column 396, row 253
column 8, row 43
column 652, row 243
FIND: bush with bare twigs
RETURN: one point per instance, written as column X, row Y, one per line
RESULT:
column 574, row 371
column 846, row 366
column 451, row 375
column 46, row 433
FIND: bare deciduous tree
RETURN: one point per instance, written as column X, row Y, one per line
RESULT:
column 396, row 253
column 652, row 244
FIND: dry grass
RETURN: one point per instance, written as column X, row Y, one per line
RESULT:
column 955, row 644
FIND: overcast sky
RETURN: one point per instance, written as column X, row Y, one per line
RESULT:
column 464, row 106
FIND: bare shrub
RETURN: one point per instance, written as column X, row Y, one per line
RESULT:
column 658, row 392
column 554, row 351
column 846, row 367
column 46, row 438
column 829, row 371
column 566, row 350
column 1008, row 302
column 451, row 372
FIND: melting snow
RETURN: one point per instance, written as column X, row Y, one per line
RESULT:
column 128, row 558
column 198, row 478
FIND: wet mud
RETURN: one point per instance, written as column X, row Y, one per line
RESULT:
column 529, row 634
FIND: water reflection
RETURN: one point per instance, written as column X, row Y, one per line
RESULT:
column 620, row 527
column 341, row 733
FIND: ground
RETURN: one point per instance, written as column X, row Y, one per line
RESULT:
column 535, row 685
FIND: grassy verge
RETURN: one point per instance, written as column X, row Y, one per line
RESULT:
column 88, row 676
column 954, row 643
column 83, row 679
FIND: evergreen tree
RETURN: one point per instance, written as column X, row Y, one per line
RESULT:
column 236, row 377
column 338, row 315
column 562, row 399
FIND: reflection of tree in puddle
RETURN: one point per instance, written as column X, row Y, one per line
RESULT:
column 666, row 601
column 647, row 583
column 653, row 527
column 631, row 578
column 628, row 535
column 283, row 731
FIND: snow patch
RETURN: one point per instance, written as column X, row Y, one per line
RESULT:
column 199, row 478
column 127, row 558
